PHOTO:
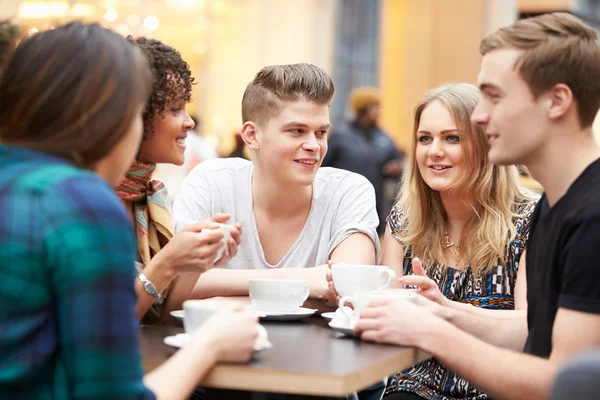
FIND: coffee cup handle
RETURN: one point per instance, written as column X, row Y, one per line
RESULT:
column 391, row 275
column 306, row 292
column 343, row 302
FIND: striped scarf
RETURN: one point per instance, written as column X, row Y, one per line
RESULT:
column 151, row 209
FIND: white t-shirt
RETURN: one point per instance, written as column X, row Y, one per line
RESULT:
column 343, row 203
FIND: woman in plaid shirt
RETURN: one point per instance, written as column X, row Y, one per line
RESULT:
column 71, row 101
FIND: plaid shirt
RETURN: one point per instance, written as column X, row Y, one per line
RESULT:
column 67, row 324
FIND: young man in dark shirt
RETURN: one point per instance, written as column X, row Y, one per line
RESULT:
column 540, row 83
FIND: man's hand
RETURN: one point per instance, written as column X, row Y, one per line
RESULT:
column 398, row 322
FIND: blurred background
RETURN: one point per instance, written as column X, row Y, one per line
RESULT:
column 403, row 47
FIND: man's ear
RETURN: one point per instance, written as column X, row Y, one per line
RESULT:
column 560, row 101
column 249, row 134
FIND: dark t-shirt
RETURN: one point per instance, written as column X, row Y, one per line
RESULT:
column 563, row 258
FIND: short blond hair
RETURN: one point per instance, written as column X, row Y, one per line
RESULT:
column 275, row 84
column 558, row 48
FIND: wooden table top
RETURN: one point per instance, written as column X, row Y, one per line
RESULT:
column 307, row 358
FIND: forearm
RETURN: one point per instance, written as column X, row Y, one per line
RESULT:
column 507, row 328
column 180, row 292
column 485, row 312
column 504, row 374
column 160, row 278
column 167, row 381
column 234, row 282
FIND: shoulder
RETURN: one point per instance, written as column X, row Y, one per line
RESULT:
column 221, row 166
column 524, row 208
column 218, row 172
column 523, row 214
column 342, row 179
column 396, row 220
column 83, row 197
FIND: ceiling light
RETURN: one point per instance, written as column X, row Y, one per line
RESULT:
column 111, row 15
column 151, row 22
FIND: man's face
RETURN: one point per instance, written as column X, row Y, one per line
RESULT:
column 515, row 122
column 292, row 144
column 372, row 114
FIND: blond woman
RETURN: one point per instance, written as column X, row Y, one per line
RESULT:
column 467, row 221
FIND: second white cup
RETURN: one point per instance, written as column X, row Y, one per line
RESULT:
column 361, row 300
column 278, row 295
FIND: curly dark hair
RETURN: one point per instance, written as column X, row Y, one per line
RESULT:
column 8, row 34
column 172, row 78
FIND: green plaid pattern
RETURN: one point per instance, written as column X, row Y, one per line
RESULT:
column 67, row 322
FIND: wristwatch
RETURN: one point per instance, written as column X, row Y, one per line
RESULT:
column 149, row 287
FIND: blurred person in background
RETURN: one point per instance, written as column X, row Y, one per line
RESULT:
column 362, row 146
column 240, row 148
column 71, row 102
column 162, row 256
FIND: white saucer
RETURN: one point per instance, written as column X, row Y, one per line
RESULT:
column 178, row 314
column 300, row 313
column 346, row 330
column 328, row 315
column 181, row 339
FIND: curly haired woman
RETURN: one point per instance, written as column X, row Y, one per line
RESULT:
column 163, row 256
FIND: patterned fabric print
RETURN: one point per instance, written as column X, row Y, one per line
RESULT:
column 154, row 225
column 67, row 323
column 151, row 208
column 495, row 290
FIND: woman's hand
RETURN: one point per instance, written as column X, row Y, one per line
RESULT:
column 232, row 243
column 426, row 287
column 231, row 333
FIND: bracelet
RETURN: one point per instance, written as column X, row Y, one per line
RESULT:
column 149, row 287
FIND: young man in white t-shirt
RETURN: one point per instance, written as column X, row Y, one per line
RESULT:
column 295, row 216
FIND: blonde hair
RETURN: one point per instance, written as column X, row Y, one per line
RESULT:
column 557, row 48
column 492, row 191
column 275, row 84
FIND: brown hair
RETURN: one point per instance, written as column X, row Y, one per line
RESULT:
column 171, row 78
column 73, row 92
column 492, row 191
column 278, row 83
column 557, row 48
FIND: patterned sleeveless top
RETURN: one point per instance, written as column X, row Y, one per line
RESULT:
column 494, row 290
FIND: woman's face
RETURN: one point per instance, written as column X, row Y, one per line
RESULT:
column 439, row 152
column 167, row 143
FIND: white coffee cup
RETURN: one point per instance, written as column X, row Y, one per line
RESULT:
column 226, row 229
column 351, row 278
column 360, row 300
column 278, row 295
column 198, row 311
